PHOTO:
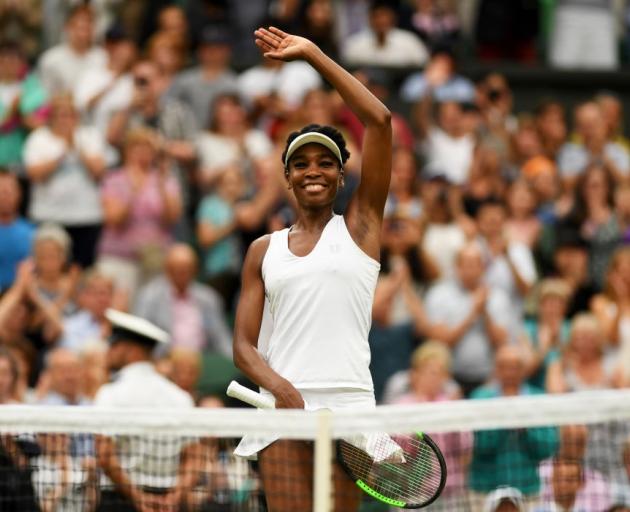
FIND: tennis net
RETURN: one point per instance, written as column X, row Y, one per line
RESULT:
column 529, row 452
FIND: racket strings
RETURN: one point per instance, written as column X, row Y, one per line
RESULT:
column 415, row 481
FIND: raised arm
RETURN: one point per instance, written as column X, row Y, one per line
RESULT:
column 365, row 212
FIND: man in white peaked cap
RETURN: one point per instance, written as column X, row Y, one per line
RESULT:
column 141, row 472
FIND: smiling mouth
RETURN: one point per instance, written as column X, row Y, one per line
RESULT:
column 314, row 187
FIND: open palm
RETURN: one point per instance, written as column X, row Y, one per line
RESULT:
column 278, row 45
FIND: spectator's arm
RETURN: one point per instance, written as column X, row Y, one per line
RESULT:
column 190, row 467
column 420, row 320
column 40, row 172
column 522, row 285
column 610, row 325
column 117, row 127
column 108, row 461
column 9, row 302
column 496, row 333
column 452, row 335
column 541, row 442
column 50, row 500
column 25, row 289
column 386, row 289
column 209, row 234
column 554, row 381
column 430, row 269
column 251, row 214
column 171, row 199
column 50, row 315
column 115, row 211
column 618, row 167
column 181, row 150
column 421, row 115
column 95, row 165
column 89, row 469
column 91, row 101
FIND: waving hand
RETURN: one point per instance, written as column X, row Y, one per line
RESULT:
column 278, row 45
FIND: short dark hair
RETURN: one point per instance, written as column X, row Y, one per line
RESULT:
column 392, row 5
column 491, row 201
column 12, row 47
column 79, row 10
column 547, row 104
column 329, row 131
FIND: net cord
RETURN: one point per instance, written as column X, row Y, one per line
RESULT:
column 462, row 415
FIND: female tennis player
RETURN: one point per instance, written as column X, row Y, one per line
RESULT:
column 318, row 278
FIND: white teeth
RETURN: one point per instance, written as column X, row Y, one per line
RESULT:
column 314, row 187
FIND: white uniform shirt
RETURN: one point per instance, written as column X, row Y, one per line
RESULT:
column 149, row 461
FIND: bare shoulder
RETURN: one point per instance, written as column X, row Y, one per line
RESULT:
column 257, row 250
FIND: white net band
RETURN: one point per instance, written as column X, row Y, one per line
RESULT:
column 513, row 412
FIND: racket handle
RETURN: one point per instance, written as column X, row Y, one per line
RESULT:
column 249, row 396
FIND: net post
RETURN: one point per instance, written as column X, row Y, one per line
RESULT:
column 322, row 474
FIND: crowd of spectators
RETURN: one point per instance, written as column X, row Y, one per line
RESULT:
column 140, row 152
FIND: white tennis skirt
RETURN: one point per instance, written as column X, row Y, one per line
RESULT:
column 334, row 399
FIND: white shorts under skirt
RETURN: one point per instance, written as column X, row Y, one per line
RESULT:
column 330, row 398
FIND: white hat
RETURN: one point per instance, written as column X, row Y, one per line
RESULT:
column 312, row 137
column 133, row 328
column 501, row 494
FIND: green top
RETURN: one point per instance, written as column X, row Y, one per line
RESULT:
column 510, row 457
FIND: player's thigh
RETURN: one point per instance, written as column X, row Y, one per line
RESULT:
column 286, row 470
column 346, row 493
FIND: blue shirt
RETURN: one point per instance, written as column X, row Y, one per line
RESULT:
column 78, row 330
column 15, row 245
column 225, row 254
column 457, row 89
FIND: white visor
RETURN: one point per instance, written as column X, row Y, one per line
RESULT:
column 313, row 137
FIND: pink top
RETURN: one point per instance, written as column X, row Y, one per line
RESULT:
column 595, row 494
column 187, row 331
column 455, row 446
column 144, row 229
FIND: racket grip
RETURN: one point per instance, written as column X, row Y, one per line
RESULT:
column 249, row 396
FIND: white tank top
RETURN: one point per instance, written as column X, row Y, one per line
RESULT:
column 321, row 308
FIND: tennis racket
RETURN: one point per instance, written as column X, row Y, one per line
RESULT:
column 405, row 471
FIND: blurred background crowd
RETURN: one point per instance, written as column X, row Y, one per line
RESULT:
column 139, row 148
column 140, row 151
